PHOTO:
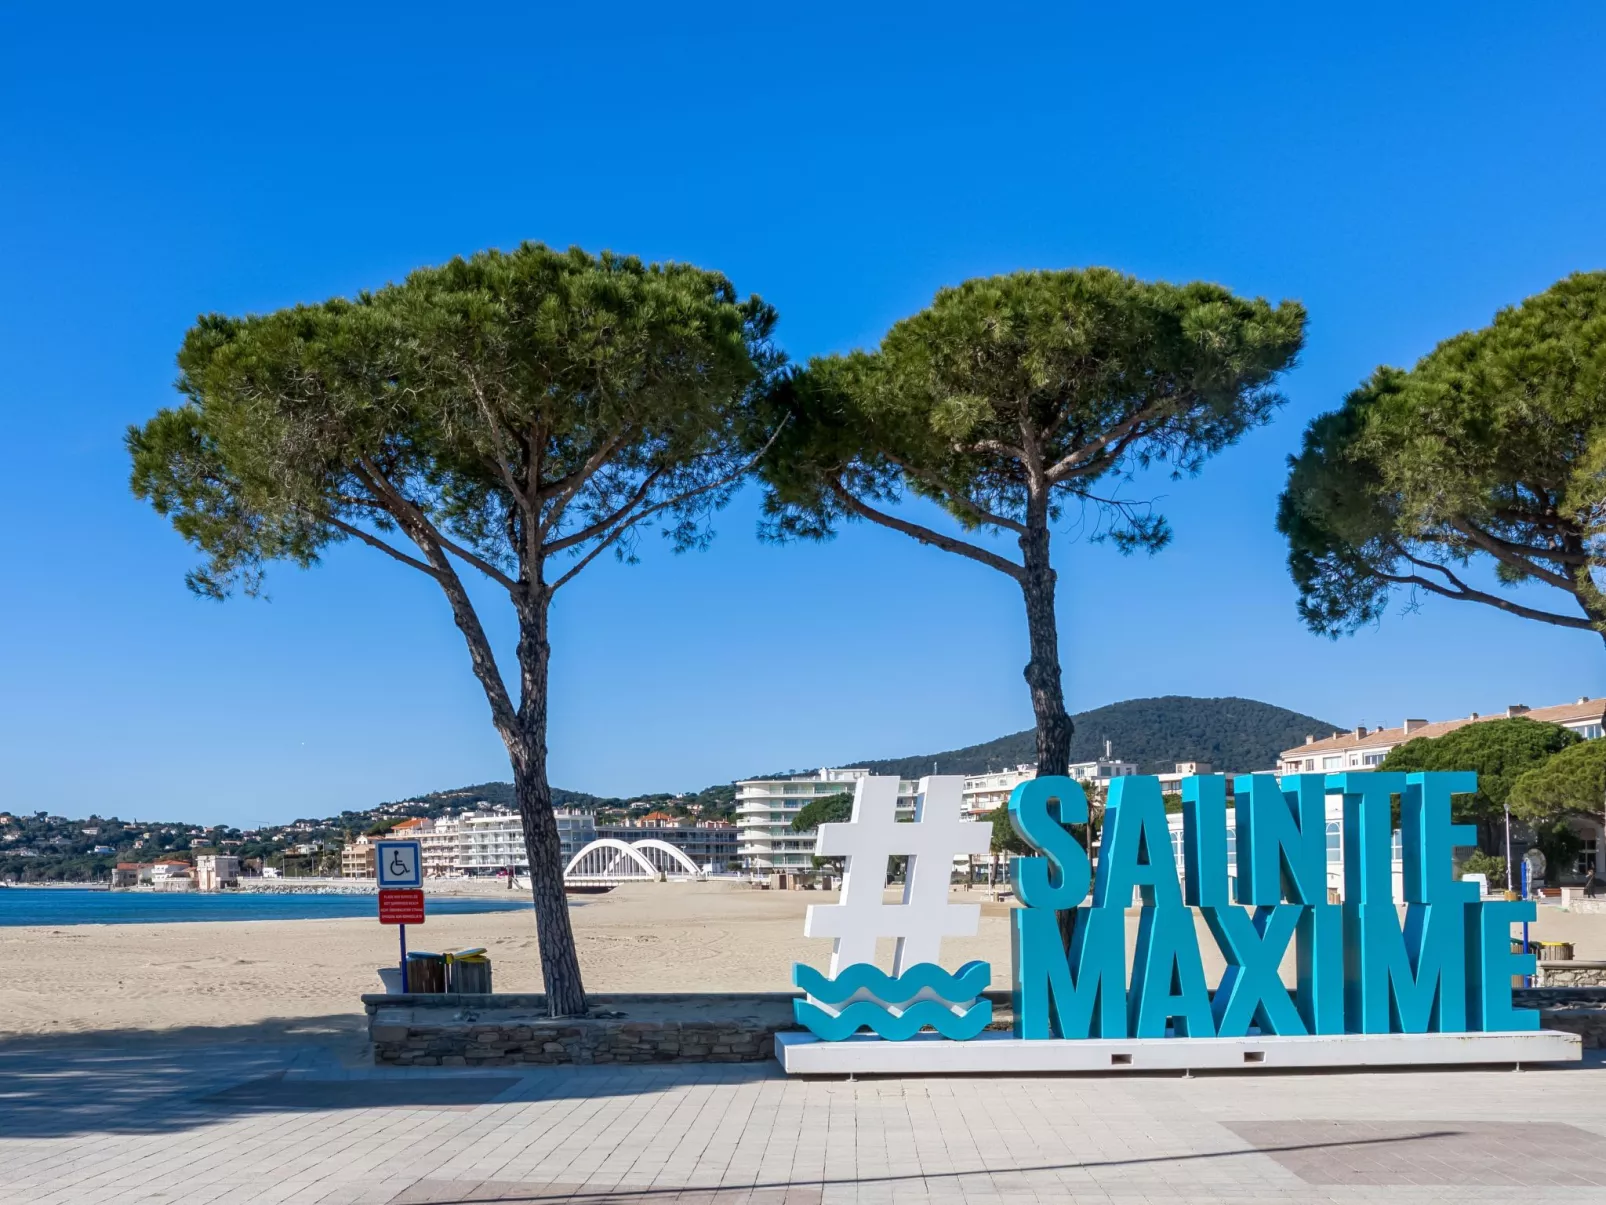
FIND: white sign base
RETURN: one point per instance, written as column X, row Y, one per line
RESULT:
column 1000, row 1054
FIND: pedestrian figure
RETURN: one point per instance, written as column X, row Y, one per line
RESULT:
column 1591, row 887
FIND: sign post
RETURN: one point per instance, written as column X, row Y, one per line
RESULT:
column 399, row 866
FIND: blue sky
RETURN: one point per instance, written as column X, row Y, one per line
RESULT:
column 1404, row 170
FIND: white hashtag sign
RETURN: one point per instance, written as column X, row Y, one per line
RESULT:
column 873, row 836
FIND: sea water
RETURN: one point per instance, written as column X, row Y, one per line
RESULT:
column 72, row 906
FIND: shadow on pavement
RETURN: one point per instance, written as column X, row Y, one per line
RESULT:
column 811, row 1192
column 163, row 1081
column 148, row 1081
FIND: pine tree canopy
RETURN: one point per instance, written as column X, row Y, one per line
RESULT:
column 1490, row 453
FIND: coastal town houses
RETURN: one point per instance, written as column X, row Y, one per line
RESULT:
column 167, row 875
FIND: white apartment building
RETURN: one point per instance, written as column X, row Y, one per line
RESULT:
column 1099, row 771
column 1171, row 782
column 437, row 846
column 984, row 792
column 1365, row 748
column 488, row 842
column 765, row 841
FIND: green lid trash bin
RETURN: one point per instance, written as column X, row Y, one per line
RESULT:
column 426, row 972
column 469, row 972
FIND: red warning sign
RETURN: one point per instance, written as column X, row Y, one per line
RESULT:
column 401, row 907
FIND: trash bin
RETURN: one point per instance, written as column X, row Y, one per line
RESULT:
column 469, row 972
column 426, row 972
column 1555, row 951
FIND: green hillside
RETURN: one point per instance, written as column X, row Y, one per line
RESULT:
column 1230, row 734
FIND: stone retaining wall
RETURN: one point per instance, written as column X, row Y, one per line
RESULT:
column 509, row 1030
column 1579, row 1010
column 1574, row 900
column 1578, row 973
column 506, row 1030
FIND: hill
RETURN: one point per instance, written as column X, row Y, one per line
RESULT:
column 500, row 794
column 1230, row 734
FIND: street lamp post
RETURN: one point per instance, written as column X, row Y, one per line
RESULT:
column 1508, row 847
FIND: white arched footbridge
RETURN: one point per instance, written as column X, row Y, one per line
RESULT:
column 610, row 860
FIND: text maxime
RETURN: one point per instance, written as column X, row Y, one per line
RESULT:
column 1446, row 967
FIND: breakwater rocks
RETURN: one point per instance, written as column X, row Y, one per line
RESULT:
column 306, row 887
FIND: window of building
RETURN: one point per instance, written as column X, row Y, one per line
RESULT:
column 1332, row 763
column 1372, row 759
column 1586, row 856
column 1590, row 732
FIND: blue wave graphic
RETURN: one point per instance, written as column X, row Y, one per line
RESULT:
column 958, row 988
column 960, row 1027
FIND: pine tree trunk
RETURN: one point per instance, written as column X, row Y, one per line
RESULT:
column 560, row 962
column 1054, row 727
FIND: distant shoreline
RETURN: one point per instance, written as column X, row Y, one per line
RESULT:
column 22, row 907
column 446, row 888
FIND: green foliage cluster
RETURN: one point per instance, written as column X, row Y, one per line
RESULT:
column 1005, row 386
column 1572, row 783
column 1491, row 866
column 501, row 409
column 827, row 809
column 1500, row 751
column 1491, row 451
column 1005, row 840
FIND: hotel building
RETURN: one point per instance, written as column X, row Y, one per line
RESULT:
column 765, row 841
column 489, row 842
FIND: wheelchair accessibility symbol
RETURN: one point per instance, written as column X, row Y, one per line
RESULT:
column 398, row 864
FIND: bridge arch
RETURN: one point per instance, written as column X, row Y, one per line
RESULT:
column 674, row 852
column 627, row 852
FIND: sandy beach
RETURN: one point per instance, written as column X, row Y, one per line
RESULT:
column 284, row 975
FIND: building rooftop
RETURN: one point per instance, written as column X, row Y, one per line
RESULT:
column 1585, row 709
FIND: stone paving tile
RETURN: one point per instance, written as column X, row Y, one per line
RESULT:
column 295, row 1126
column 1527, row 1154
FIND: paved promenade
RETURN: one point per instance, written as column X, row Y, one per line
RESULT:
column 232, row 1116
